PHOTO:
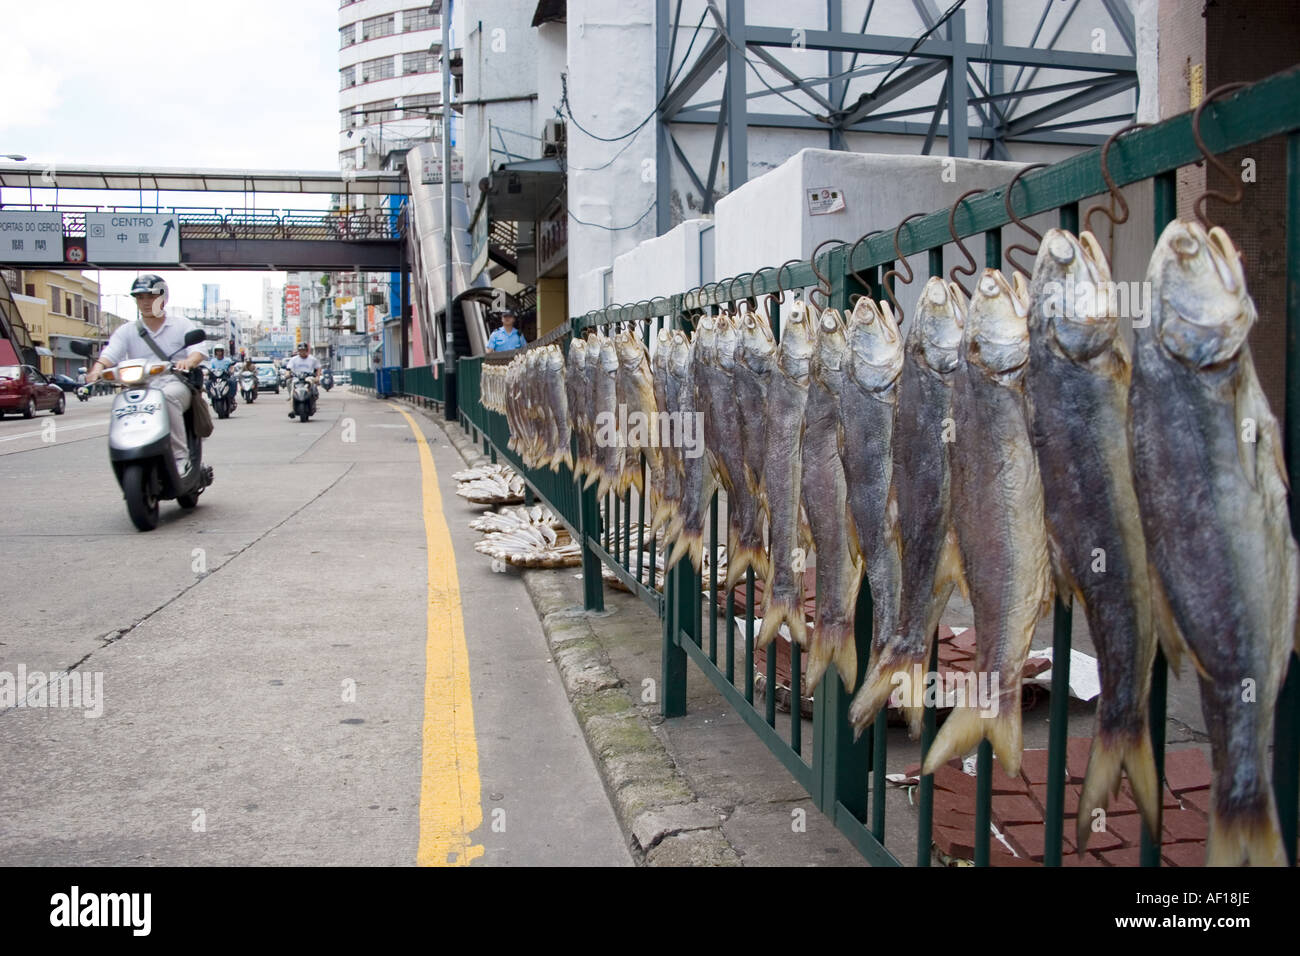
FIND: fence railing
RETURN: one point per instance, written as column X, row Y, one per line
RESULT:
column 845, row 777
column 202, row 223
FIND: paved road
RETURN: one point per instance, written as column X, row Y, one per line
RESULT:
column 296, row 672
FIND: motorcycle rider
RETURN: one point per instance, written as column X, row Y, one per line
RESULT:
column 304, row 361
column 219, row 365
column 248, row 367
column 168, row 333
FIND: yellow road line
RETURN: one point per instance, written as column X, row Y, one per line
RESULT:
column 450, row 807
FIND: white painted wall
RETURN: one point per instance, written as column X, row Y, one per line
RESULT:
column 665, row 265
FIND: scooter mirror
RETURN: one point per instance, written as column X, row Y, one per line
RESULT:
column 81, row 348
column 194, row 337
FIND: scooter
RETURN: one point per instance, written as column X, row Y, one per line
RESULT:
column 248, row 386
column 221, row 391
column 327, row 380
column 139, row 439
column 304, row 396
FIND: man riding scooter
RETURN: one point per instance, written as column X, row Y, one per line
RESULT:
column 304, row 363
column 131, row 341
column 219, row 369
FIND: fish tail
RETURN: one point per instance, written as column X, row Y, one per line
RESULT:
column 688, row 543
column 833, row 644
column 741, row 558
column 965, row 728
column 1110, row 752
column 1248, row 835
column 888, row 672
column 778, row 612
column 593, row 475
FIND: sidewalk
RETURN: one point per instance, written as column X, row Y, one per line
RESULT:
column 699, row 790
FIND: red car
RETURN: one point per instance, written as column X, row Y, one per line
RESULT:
column 24, row 389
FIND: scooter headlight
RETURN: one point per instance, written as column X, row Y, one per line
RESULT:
column 131, row 373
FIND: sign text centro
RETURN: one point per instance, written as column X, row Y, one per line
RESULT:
column 142, row 237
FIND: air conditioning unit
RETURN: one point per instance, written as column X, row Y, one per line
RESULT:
column 553, row 137
column 374, row 298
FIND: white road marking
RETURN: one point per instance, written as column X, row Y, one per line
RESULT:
column 60, row 428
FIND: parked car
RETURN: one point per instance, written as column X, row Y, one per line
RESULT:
column 25, row 390
column 65, row 382
column 342, row 376
column 268, row 377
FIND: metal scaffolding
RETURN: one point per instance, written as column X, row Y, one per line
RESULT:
column 941, row 50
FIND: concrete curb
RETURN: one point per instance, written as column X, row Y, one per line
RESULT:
column 661, row 815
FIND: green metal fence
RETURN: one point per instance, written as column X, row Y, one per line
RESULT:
column 845, row 778
column 363, row 380
column 422, row 382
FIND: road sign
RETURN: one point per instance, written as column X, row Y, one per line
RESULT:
column 131, row 237
column 31, row 236
column 297, row 335
column 291, row 300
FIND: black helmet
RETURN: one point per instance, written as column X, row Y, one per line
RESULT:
column 150, row 285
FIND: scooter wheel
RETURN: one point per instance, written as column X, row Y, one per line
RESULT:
column 141, row 499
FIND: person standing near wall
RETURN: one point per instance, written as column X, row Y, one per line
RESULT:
column 507, row 337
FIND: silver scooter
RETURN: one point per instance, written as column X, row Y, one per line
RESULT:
column 304, row 396
column 139, row 439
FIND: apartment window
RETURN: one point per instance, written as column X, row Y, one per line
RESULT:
column 378, row 27
column 56, row 299
column 412, row 105
column 421, row 18
column 418, row 62
column 347, row 35
column 347, row 77
column 78, row 307
column 380, row 69
column 67, row 305
column 380, row 111
column 30, row 290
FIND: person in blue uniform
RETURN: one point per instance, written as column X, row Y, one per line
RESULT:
column 507, row 337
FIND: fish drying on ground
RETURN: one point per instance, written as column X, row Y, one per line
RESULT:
column 557, row 401
column 924, row 430
column 997, row 508
column 1207, row 462
column 754, row 356
column 687, row 530
column 666, row 481
column 825, row 496
column 1077, row 385
column 717, row 385
column 636, row 394
column 873, row 362
column 787, row 395
column 574, row 379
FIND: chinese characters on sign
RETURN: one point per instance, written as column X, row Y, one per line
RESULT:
column 292, row 301
column 132, row 237
column 31, row 236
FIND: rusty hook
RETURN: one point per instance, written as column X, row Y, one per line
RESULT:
column 779, row 294
column 902, row 259
column 1116, row 197
column 754, row 278
column 823, row 283
column 731, row 285
column 1238, row 192
column 969, row 268
column 1011, row 214
column 854, row 272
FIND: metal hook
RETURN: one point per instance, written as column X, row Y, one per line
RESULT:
column 731, row 285
column 780, row 289
column 823, row 283
column 1238, row 192
column 1011, row 214
column 754, row 278
column 1116, row 197
column 902, row 260
column 854, row 272
column 969, row 269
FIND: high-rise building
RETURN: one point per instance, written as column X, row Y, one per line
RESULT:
column 389, row 79
column 271, row 303
column 211, row 297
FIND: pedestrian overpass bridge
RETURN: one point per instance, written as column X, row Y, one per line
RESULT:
column 225, row 238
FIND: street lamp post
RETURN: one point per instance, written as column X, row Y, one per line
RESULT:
column 16, row 157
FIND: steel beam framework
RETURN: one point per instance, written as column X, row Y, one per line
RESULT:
column 940, row 49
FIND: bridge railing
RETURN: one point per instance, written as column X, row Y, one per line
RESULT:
column 198, row 222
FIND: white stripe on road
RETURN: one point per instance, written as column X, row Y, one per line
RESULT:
column 58, row 428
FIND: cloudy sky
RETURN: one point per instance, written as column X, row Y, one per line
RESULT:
column 237, row 84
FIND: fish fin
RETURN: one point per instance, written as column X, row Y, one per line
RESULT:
column 950, row 573
column 776, row 613
column 889, row 673
column 1109, row 754
column 958, row 736
column 636, row 480
column 1061, row 575
column 832, row 644
column 593, row 476
column 1167, row 631
column 1251, row 836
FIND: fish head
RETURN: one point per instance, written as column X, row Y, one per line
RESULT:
column 1070, row 295
column 875, row 350
column 706, row 334
column 726, row 342
column 798, row 341
column 936, row 333
column 663, row 343
column 679, row 360
column 1202, row 311
column 757, row 346
column 996, row 336
column 608, row 355
column 577, row 352
column 630, row 350
column 593, row 351
column 832, row 343
column 554, row 358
